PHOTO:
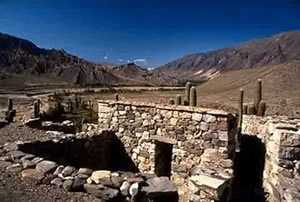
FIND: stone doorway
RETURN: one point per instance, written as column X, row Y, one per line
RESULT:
column 247, row 185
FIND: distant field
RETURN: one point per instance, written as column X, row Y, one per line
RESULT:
column 281, row 89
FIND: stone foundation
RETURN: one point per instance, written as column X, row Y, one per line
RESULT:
column 204, row 141
column 281, row 137
column 81, row 163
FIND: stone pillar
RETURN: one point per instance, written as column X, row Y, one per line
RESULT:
column 163, row 156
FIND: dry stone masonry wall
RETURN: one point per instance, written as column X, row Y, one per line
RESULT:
column 281, row 137
column 204, row 141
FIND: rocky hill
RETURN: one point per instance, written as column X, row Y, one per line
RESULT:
column 22, row 62
column 137, row 75
column 278, row 49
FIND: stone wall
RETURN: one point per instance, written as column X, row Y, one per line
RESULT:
column 281, row 136
column 204, row 140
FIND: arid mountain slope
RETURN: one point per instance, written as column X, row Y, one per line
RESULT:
column 278, row 49
column 137, row 75
column 22, row 62
column 281, row 88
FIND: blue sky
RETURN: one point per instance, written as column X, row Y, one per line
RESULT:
column 151, row 32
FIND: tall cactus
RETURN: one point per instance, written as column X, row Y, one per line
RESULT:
column 258, row 95
column 10, row 104
column 261, row 108
column 117, row 97
column 178, row 100
column 36, row 112
column 193, row 97
column 39, row 105
column 187, row 93
column 241, row 100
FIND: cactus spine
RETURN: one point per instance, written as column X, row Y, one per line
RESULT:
column 178, row 100
column 241, row 100
column 258, row 95
column 193, row 97
column 187, row 93
column 10, row 104
column 171, row 101
column 261, row 108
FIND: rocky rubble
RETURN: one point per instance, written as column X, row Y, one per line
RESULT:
column 103, row 184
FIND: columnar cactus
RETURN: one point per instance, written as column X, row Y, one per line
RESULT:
column 39, row 105
column 261, row 108
column 258, row 95
column 171, row 101
column 178, row 100
column 241, row 100
column 117, row 97
column 10, row 104
column 70, row 103
column 187, row 93
column 193, row 97
column 36, row 112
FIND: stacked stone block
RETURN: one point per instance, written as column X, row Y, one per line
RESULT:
column 194, row 129
column 281, row 136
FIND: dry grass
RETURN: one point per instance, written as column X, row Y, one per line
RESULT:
column 281, row 89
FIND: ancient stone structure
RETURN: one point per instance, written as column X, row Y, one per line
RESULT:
column 281, row 137
column 95, row 163
column 204, row 148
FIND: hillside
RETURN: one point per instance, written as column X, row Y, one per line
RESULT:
column 137, row 75
column 278, row 49
column 23, row 63
column 281, row 88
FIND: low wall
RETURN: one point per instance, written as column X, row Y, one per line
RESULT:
column 281, row 137
column 204, row 138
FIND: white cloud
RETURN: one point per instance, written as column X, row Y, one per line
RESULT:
column 140, row 61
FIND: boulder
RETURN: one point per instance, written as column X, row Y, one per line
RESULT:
column 58, row 170
column 96, row 175
column 28, row 164
column 85, row 171
column 33, row 174
column 67, row 185
column 46, row 166
column 160, row 188
column 78, row 184
column 103, row 192
column 125, row 188
column 68, row 170
column 57, row 182
column 15, row 155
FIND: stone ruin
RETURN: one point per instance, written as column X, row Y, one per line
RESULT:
column 145, row 145
column 264, row 166
column 95, row 163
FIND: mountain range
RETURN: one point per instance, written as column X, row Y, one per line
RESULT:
column 277, row 49
column 22, row 62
